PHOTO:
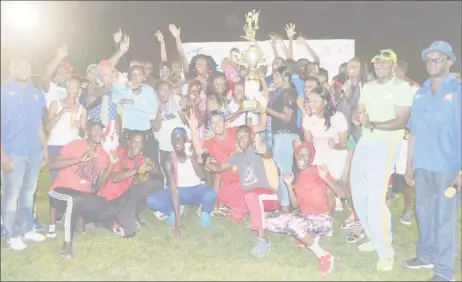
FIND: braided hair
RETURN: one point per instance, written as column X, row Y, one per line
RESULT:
column 329, row 110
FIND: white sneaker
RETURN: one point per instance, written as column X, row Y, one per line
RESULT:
column 51, row 233
column 16, row 244
column 160, row 216
column 34, row 237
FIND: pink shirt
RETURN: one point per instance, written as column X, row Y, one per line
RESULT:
column 321, row 136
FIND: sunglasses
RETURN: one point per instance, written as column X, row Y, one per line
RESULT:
column 434, row 61
column 385, row 54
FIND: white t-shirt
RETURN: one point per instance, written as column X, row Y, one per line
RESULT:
column 64, row 131
column 325, row 155
column 234, row 107
column 55, row 93
column 187, row 176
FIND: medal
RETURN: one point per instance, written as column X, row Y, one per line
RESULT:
column 450, row 192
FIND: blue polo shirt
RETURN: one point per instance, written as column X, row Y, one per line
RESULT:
column 435, row 123
column 299, row 85
column 21, row 118
column 138, row 116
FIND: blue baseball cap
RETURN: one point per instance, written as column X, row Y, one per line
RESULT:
column 442, row 47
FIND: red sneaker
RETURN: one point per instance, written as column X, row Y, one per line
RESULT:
column 326, row 264
column 299, row 244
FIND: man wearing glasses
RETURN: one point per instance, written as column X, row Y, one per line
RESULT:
column 383, row 111
column 434, row 163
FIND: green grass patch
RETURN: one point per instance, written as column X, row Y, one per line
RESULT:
column 219, row 253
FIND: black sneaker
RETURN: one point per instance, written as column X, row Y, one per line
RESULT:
column 416, row 263
column 66, row 252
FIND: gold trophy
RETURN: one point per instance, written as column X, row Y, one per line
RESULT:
column 252, row 59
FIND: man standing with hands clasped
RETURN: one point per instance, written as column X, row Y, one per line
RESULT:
column 434, row 161
column 383, row 111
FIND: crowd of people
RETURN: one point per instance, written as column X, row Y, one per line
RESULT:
column 118, row 142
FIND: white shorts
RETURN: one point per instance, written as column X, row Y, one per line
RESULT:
column 335, row 163
column 400, row 167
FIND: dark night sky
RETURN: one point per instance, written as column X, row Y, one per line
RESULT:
column 87, row 27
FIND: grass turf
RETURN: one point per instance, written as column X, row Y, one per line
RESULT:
column 219, row 253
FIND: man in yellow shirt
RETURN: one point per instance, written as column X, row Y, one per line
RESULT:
column 383, row 112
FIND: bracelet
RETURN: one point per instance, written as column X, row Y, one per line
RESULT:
column 373, row 125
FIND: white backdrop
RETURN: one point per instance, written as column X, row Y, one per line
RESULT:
column 332, row 53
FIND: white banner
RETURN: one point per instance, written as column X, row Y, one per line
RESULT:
column 331, row 53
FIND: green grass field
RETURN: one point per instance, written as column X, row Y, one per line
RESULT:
column 219, row 253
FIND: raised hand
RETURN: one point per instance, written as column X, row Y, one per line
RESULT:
column 62, row 52
column 125, row 44
column 159, row 36
column 176, row 32
column 117, row 36
column 290, row 30
column 192, row 120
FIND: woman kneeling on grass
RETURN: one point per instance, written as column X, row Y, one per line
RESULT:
column 314, row 193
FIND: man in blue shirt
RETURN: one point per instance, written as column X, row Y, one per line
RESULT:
column 139, row 102
column 434, row 163
column 23, row 151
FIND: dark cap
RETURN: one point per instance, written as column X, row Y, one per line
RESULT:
column 165, row 64
column 95, row 122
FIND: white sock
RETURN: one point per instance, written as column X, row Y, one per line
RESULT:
column 51, row 228
column 317, row 250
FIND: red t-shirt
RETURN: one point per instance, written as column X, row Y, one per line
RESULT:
column 221, row 151
column 111, row 190
column 311, row 191
column 80, row 176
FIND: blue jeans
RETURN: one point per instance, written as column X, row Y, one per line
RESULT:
column 19, row 187
column 371, row 167
column 437, row 220
column 283, row 154
column 196, row 195
column 53, row 152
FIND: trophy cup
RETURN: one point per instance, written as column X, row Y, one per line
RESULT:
column 252, row 59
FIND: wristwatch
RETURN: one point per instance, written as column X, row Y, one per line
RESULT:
column 373, row 125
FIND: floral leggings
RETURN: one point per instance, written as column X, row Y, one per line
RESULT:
column 299, row 225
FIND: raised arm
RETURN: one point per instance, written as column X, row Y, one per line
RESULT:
column 123, row 43
column 163, row 50
column 193, row 123
column 261, row 126
column 290, row 30
column 51, row 67
column 176, row 32
column 274, row 41
column 303, row 42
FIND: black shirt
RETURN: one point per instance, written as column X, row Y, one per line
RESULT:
column 287, row 98
column 347, row 106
